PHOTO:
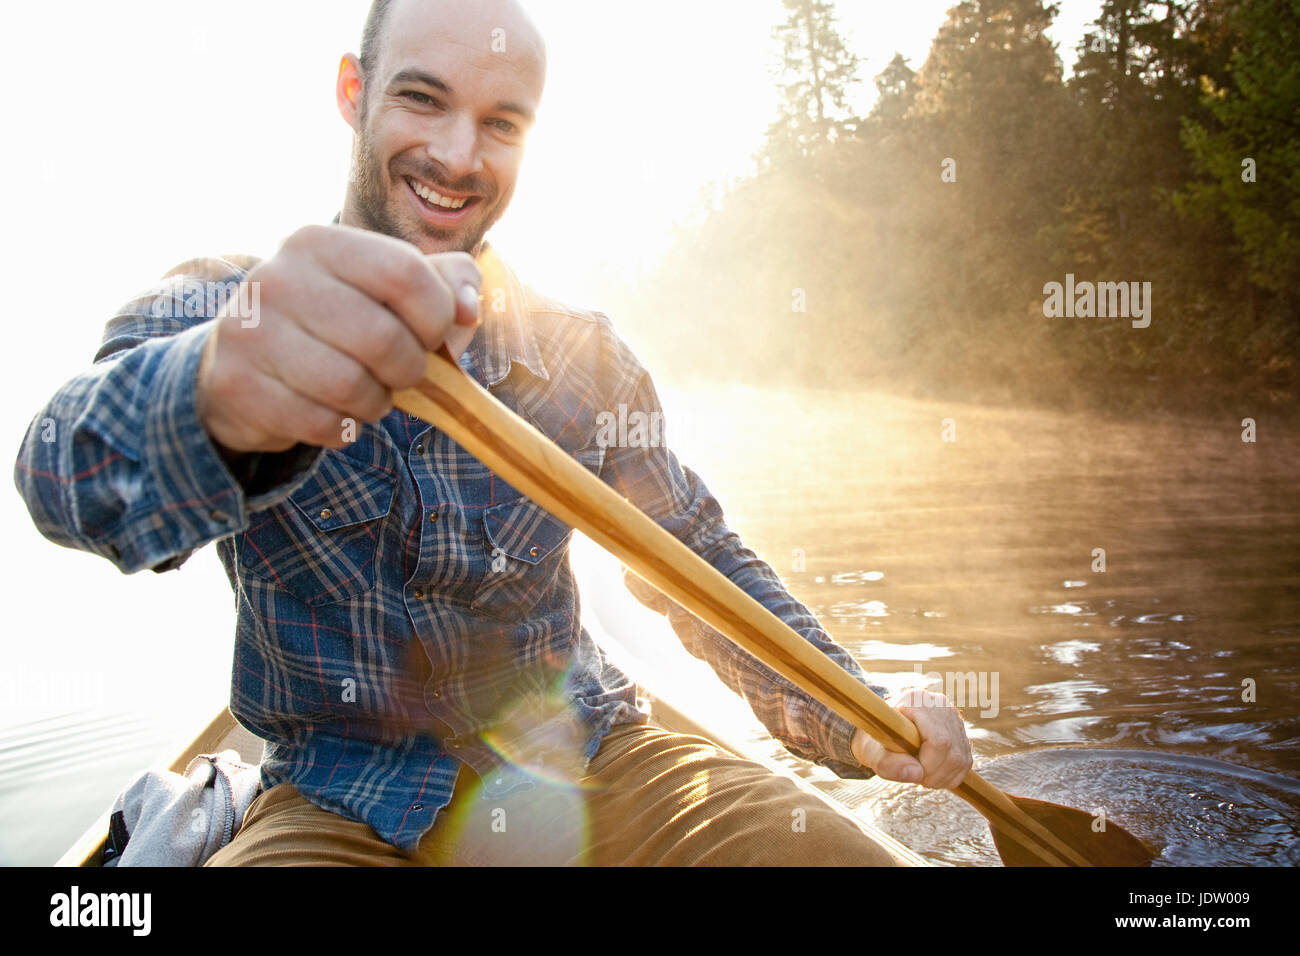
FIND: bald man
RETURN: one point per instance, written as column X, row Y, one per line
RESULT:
column 408, row 633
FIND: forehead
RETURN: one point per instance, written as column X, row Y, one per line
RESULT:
column 477, row 47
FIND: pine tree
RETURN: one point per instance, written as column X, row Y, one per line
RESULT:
column 990, row 54
column 1248, row 151
column 1137, row 49
column 818, row 72
column 896, row 87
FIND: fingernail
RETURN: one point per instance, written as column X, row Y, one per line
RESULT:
column 468, row 297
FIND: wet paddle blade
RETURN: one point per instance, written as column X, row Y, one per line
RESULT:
column 1112, row 846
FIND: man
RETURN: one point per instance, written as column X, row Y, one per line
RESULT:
column 408, row 637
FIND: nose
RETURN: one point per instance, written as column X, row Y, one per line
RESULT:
column 456, row 148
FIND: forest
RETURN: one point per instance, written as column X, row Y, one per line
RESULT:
column 1124, row 236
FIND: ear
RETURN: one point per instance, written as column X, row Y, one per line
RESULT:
column 349, row 90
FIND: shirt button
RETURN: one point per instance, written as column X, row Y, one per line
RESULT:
column 419, row 594
column 417, row 807
column 419, row 449
column 437, row 693
column 534, row 552
column 326, row 514
column 433, row 516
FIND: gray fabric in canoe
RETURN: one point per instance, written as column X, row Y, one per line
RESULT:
column 175, row 820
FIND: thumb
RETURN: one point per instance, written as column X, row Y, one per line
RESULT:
column 462, row 274
column 888, row 764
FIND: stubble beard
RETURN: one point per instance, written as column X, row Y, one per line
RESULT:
column 372, row 203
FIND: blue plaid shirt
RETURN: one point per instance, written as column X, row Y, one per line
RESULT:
column 401, row 610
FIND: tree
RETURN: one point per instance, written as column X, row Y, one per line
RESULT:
column 990, row 54
column 818, row 71
column 896, row 87
column 1248, row 152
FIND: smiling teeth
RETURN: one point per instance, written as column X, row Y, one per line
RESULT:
column 435, row 198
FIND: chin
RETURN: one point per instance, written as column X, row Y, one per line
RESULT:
column 434, row 246
column 463, row 240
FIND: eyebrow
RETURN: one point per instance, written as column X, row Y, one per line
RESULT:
column 428, row 79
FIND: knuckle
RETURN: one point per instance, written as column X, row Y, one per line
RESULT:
column 383, row 340
column 305, row 237
column 350, row 388
column 276, row 281
column 397, row 357
column 406, row 269
column 461, row 265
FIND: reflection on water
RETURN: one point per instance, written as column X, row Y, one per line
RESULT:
column 1134, row 586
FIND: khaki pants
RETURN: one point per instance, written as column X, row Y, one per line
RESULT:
column 650, row 797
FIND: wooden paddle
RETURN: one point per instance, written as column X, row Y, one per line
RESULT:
column 1026, row 832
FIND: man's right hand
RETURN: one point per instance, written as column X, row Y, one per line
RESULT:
column 346, row 318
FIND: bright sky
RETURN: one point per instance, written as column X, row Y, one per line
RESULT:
column 144, row 133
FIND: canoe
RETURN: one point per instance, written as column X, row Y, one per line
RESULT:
column 684, row 694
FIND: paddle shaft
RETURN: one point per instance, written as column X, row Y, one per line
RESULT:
column 531, row 462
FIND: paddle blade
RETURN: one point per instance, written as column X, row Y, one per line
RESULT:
column 1112, row 846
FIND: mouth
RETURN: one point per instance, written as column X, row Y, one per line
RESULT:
column 438, row 207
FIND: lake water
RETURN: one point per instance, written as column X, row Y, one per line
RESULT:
column 1162, row 689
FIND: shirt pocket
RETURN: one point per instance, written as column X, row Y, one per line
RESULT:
column 322, row 544
column 525, row 546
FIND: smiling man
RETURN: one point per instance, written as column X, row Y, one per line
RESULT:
column 408, row 633
column 481, row 93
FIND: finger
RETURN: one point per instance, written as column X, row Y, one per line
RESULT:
column 307, row 421
column 371, row 334
column 281, row 418
column 939, row 725
column 462, row 275
column 901, row 767
column 948, row 757
column 329, row 377
column 390, row 271
column 888, row 764
column 955, row 768
column 934, row 756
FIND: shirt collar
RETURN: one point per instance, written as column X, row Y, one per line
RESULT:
column 507, row 334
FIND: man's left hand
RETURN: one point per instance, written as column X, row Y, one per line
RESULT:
column 945, row 756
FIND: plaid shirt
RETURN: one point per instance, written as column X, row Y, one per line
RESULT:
column 401, row 610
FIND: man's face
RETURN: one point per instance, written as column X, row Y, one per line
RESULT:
column 441, row 122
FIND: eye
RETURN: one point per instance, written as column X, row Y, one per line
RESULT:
column 505, row 126
column 424, row 99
